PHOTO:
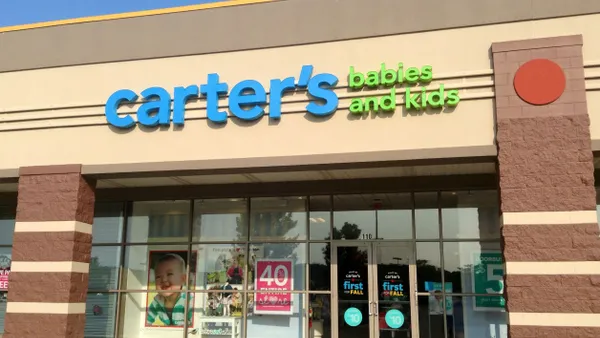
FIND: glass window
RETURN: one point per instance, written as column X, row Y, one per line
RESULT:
column 221, row 220
column 250, row 255
column 354, row 217
column 319, row 315
column 320, row 217
column 429, row 267
column 467, row 319
column 292, row 255
column 431, row 315
column 3, row 299
column 263, row 322
column 104, row 268
column 426, row 215
column 162, row 221
column 471, row 214
column 7, row 225
column 394, row 216
column 462, row 318
column 7, row 228
column 152, row 315
column 100, row 311
column 156, row 267
column 373, row 216
column 320, row 266
column 474, row 267
column 5, row 262
column 217, row 313
column 220, row 266
column 108, row 223
column 278, row 218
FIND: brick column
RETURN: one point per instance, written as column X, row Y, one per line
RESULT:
column 548, row 201
column 51, row 254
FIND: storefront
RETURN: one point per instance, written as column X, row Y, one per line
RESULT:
column 384, row 248
column 430, row 179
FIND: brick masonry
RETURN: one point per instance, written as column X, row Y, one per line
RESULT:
column 44, row 325
column 545, row 164
column 46, row 196
column 559, row 332
column 554, row 242
column 54, row 247
column 55, row 197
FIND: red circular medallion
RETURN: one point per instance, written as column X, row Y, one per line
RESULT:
column 539, row 82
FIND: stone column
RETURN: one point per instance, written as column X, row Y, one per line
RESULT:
column 51, row 254
column 548, row 201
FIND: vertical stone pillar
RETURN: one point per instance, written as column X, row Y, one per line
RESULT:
column 51, row 254
column 548, row 202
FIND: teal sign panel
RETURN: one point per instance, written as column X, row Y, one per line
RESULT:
column 353, row 316
column 394, row 319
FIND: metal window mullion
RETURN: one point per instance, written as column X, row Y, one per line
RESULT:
column 244, row 331
column 331, row 219
column 442, row 258
column 188, row 270
column 415, row 307
column 127, row 210
column 459, row 294
column 307, row 257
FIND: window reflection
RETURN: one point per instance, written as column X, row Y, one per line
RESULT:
column 320, row 217
column 295, row 253
column 7, row 228
column 220, row 220
column 471, row 214
column 7, row 224
column 221, row 265
column 104, row 268
column 320, row 265
column 100, row 310
column 474, row 267
column 320, row 316
column 463, row 319
column 290, row 325
column 373, row 216
column 354, row 217
column 108, row 223
column 3, row 302
column 159, row 221
column 278, row 218
column 426, row 215
column 429, row 266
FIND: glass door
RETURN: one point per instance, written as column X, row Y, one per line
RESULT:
column 352, row 297
column 374, row 290
column 393, row 290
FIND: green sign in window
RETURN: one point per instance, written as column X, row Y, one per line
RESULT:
column 488, row 278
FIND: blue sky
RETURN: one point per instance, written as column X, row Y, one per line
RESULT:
column 19, row 12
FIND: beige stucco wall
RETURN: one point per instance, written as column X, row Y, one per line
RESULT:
column 76, row 95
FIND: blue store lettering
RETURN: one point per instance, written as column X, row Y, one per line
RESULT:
column 246, row 100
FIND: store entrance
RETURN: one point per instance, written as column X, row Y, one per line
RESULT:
column 374, row 290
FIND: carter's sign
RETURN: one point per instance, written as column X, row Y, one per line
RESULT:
column 248, row 99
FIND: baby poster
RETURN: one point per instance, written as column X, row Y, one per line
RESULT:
column 167, row 274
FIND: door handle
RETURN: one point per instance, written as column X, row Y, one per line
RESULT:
column 376, row 308
column 370, row 309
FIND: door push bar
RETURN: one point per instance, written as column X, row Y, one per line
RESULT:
column 373, row 306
